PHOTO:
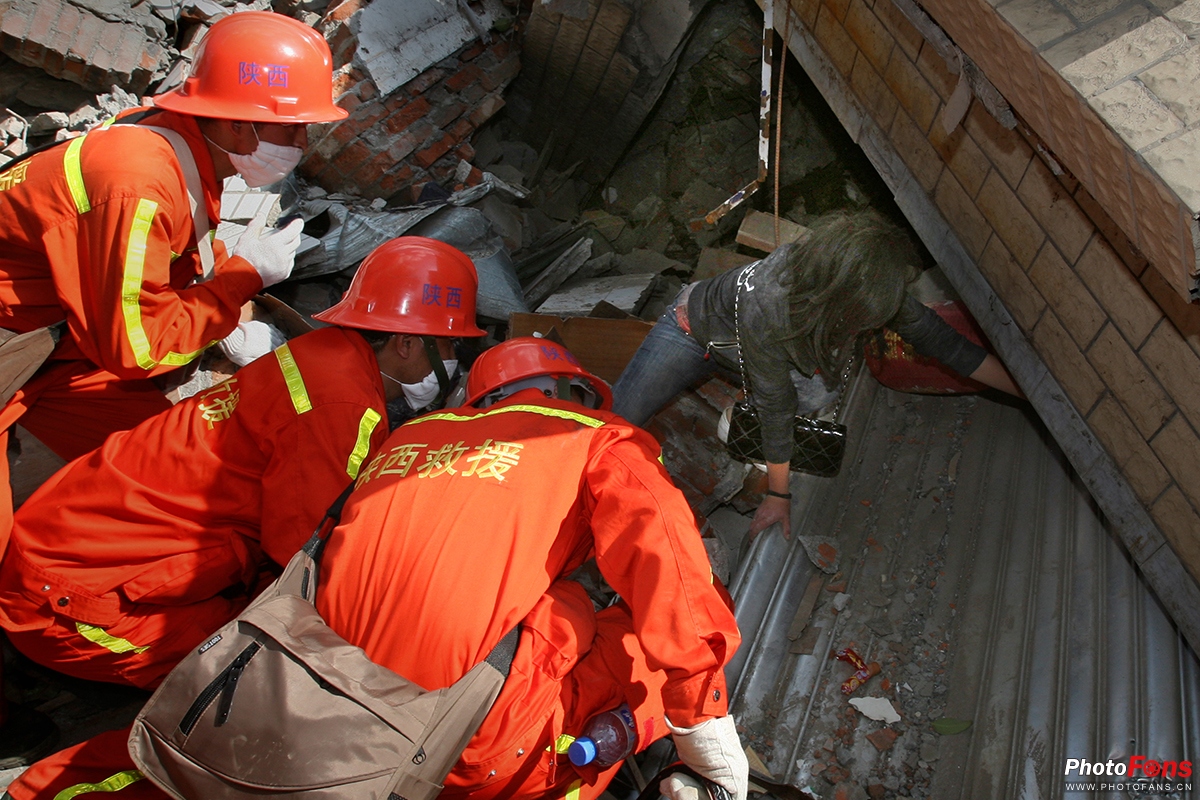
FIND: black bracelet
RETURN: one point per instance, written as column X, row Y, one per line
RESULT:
column 784, row 495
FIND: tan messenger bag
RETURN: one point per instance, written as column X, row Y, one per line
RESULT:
column 275, row 704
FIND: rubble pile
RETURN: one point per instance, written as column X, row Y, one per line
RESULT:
column 66, row 67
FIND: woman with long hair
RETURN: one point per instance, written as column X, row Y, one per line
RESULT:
column 790, row 323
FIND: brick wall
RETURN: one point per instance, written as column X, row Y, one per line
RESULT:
column 1105, row 346
column 420, row 132
column 79, row 45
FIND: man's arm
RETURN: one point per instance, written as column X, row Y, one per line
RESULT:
column 128, row 309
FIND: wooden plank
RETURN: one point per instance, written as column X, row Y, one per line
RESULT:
column 603, row 346
column 805, row 609
column 758, row 231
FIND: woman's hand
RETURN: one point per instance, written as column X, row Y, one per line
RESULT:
column 772, row 510
column 777, row 505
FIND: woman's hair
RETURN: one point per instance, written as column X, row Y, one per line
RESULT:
column 847, row 276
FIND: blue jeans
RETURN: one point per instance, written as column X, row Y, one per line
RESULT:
column 670, row 360
column 667, row 362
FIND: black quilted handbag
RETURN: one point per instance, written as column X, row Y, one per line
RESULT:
column 819, row 445
column 818, row 449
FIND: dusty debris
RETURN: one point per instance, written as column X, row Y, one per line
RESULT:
column 879, row 709
column 823, row 552
column 883, row 739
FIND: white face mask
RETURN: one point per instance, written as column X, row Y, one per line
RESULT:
column 268, row 164
column 422, row 394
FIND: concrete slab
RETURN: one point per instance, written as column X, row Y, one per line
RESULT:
column 1138, row 117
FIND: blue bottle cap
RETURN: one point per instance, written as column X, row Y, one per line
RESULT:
column 582, row 751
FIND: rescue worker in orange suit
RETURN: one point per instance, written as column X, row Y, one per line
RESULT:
column 131, row 555
column 97, row 238
column 98, row 232
column 469, row 521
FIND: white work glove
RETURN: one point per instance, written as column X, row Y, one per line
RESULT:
column 680, row 786
column 272, row 253
column 714, row 750
column 251, row 340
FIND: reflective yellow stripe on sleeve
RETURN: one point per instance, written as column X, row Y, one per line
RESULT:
column 366, row 426
column 114, row 783
column 295, row 382
column 573, row 790
column 108, row 642
column 563, row 743
column 131, row 290
column 74, row 175
column 131, row 282
column 559, row 413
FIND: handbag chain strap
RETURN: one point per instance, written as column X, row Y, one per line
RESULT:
column 743, row 281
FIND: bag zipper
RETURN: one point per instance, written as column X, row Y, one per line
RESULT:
column 224, row 685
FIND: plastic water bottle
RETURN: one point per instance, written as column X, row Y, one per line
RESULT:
column 606, row 740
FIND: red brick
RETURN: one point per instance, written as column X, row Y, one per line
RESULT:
column 58, row 44
column 395, row 101
column 472, row 94
column 149, row 59
column 474, row 177
column 367, row 114
column 501, row 74
column 465, row 152
column 500, row 49
column 87, row 38
column 403, row 146
column 398, row 177
column 407, row 115
column 367, row 90
column 43, row 22
column 471, row 52
column 373, row 169
column 344, row 133
column 348, row 161
column 129, row 52
column 102, row 57
column 461, row 130
column 434, row 151
column 13, row 25
column 486, row 110
column 76, row 71
column 463, row 78
column 444, row 114
column 343, row 44
column 341, row 11
column 313, row 165
column 424, row 81
column 349, row 102
column 444, row 169
column 343, row 81
column 883, row 739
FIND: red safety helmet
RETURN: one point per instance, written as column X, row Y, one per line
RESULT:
column 513, row 363
column 411, row 285
column 259, row 67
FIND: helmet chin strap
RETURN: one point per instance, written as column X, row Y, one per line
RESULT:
column 439, row 368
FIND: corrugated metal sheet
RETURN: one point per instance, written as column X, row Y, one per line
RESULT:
column 981, row 576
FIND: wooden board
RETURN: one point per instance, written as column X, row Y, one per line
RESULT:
column 603, row 346
column 758, row 231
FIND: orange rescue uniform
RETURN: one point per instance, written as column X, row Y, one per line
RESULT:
column 98, row 232
column 133, row 554
column 469, row 522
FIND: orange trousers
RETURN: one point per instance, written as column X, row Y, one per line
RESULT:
column 71, row 407
column 612, row 671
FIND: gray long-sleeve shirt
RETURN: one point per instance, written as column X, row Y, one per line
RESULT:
column 765, row 325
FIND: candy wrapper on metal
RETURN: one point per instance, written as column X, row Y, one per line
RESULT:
column 863, row 671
